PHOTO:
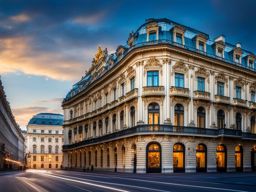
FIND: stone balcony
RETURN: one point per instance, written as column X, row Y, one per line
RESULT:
column 202, row 95
column 153, row 91
column 252, row 105
column 179, row 91
column 132, row 94
column 222, row 99
column 239, row 102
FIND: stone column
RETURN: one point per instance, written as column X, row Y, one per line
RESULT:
column 190, row 159
column 141, row 157
column 139, row 85
column 211, row 156
column 167, row 157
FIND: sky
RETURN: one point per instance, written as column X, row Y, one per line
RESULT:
column 47, row 45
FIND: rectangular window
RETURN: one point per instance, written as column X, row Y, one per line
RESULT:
column 238, row 92
column 50, row 131
column 250, row 64
column 201, row 46
column 200, row 84
column 34, row 158
column 179, row 80
column 122, row 89
column 114, row 92
column 253, row 96
column 152, row 36
column 106, row 98
column 34, row 131
column 57, row 132
column 56, row 140
column 220, row 88
column 42, row 131
column 237, row 58
column 34, row 139
column 220, row 52
column 132, row 83
column 42, row 158
column 152, row 78
column 179, row 38
column 57, row 158
column 49, row 140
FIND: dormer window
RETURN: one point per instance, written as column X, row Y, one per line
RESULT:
column 250, row 64
column 201, row 46
column 237, row 58
column 152, row 36
column 220, row 52
column 179, row 38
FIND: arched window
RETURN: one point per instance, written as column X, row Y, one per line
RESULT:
column 57, row 149
column 221, row 158
column 71, row 114
column 122, row 120
column 70, row 136
column 94, row 128
column 123, row 157
column 201, row 117
column 153, row 113
column 238, row 121
column 114, row 122
column 96, row 159
column 253, row 158
column 34, row 149
column 42, row 149
column 178, row 157
column 153, row 158
column 132, row 116
column 239, row 158
column 179, row 115
column 49, row 149
column 253, row 124
column 100, row 127
column 108, row 158
column 106, row 124
column 201, row 158
column 101, row 157
column 221, row 119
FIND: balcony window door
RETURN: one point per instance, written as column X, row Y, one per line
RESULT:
column 132, row 83
column 152, row 78
column 201, row 84
column 238, row 121
column 220, row 88
column 238, row 92
column 153, row 114
column 201, row 117
column 253, row 96
column 179, row 80
column 132, row 116
column 220, row 119
column 179, row 115
column 179, row 38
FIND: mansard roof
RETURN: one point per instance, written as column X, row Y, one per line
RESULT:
column 103, row 61
column 47, row 119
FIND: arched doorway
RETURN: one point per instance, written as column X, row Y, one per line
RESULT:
column 253, row 158
column 201, row 158
column 153, row 158
column 221, row 158
column 134, row 158
column 115, row 159
column 178, row 157
column 239, row 158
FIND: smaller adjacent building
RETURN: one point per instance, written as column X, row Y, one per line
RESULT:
column 44, row 140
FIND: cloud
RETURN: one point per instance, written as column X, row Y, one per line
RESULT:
column 21, row 18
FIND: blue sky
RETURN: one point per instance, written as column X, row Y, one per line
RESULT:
column 46, row 45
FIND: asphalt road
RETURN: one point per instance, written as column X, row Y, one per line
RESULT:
column 71, row 181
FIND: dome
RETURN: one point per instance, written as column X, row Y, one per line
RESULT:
column 47, row 119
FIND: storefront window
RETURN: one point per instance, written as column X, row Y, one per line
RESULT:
column 178, row 158
column 221, row 158
column 239, row 158
column 201, row 157
column 153, row 158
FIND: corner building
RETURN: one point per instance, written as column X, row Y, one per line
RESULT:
column 171, row 100
column 44, row 139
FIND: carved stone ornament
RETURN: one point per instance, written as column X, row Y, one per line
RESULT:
column 221, row 77
column 166, row 61
column 130, row 72
column 253, row 86
column 202, row 72
column 121, row 78
column 153, row 62
column 180, row 67
column 240, row 82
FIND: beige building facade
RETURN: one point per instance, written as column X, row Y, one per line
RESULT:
column 44, row 140
column 171, row 100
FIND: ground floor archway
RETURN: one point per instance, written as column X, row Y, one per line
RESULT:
column 239, row 158
column 221, row 158
column 201, row 158
column 178, row 157
column 153, row 157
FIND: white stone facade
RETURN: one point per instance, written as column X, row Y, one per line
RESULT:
column 115, row 120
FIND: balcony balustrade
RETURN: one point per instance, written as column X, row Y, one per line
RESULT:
column 202, row 95
column 239, row 102
column 222, row 99
column 252, row 105
column 179, row 91
column 153, row 91
column 132, row 94
column 165, row 130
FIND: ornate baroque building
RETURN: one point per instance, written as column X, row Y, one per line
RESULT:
column 11, row 138
column 171, row 100
column 44, row 140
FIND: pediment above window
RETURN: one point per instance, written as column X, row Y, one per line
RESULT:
column 180, row 67
column 222, row 78
column 202, row 72
column 153, row 64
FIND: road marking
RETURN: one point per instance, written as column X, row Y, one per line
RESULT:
column 175, row 184
column 109, row 183
column 32, row 185
column 86, row 183
column 81, row 188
